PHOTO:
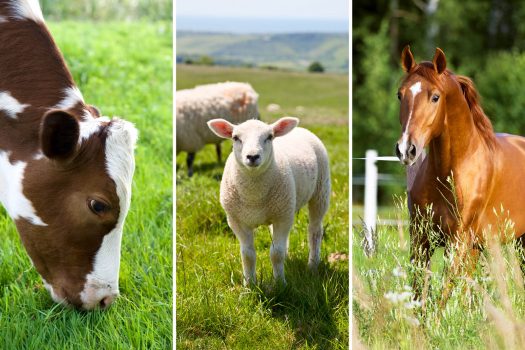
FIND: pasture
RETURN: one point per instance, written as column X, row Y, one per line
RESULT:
column 485, row 313
column 125, row 69
column 213, row 309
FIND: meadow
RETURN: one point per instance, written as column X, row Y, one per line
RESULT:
column 484, row 312
column 213, row 309
column 125, row 69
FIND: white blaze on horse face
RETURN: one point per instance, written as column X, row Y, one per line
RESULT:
column 10, row 105
column 120, row 164
column 415, row 89
column 12, row 192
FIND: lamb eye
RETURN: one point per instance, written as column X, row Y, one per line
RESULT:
column 97, row 207
column 235, row 138
column 435, row 98
column 269, row 138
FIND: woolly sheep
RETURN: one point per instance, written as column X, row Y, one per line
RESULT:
column 235, row 102
column 273, row 171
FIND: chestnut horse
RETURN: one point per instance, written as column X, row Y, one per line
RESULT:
column 65, row 171
column 469, row 174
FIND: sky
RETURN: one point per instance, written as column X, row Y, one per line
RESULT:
column 276, row 9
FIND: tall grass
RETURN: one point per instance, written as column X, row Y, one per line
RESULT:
column 485, row 311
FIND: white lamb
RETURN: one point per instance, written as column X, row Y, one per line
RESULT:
column 273, row 171
column 232, row 101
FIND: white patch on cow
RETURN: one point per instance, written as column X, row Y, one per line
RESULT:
column 10, row 105
column 38, row 155
column 54, row 296
column 72, row 96
column 120, row 165
column 27, row 9
column 403, row 146
column 11, row 191
column 90, row 127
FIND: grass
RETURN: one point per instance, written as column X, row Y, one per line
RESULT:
column 486, row 312
column 214, row 310
column 124, row 69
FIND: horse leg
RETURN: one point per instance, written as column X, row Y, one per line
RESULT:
column 463, row 264
column 189, row 162
column 420, row 255
column 218, row 150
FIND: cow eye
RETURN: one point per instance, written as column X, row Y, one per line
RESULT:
column 98, row 207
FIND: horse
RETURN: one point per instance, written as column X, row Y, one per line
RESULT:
column 468, row 175
column 65, row 170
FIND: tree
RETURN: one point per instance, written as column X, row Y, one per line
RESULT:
column 316, row 67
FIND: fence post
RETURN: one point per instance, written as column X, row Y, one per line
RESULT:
column 370, row 199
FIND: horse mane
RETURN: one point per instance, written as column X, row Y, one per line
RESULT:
column 481, row 121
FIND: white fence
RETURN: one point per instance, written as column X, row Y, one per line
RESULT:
column 371, row 183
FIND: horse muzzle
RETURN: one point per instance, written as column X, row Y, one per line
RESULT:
column 407, row 152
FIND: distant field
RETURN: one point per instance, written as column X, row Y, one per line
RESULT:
column 290, row 51
column 214, row 310
column 125, row 69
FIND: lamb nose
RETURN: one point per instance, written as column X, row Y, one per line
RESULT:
column 253, row 158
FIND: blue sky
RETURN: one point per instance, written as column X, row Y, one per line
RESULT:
column 276, row 9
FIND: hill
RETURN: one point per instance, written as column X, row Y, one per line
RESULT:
column 288, row 51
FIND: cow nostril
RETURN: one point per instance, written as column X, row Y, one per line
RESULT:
column 106, row 301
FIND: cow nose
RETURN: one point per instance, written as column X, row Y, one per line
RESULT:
column 107, row 301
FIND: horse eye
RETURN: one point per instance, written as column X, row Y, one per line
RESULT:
column 398, row 95
column 435, row 98
column 97, row 207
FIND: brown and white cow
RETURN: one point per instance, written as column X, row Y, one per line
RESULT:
column 65, row 171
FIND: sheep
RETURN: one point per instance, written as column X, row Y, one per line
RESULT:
column 273, row 171
column 232, row 101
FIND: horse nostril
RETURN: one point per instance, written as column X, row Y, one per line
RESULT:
column 412, row 150
column 398, row 152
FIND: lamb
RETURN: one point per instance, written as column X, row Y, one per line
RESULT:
column 273, row 171
column 232, row 101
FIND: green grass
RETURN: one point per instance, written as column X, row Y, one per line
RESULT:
column 471, row 317
column 214, row 310
column 124, row 69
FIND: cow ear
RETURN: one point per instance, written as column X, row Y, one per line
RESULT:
column 59, row 134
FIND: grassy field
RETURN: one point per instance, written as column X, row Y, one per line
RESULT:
column 486, row 313
column 125, row 69
column 214, row 310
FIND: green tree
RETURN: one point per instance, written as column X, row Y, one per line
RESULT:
column 316, row 67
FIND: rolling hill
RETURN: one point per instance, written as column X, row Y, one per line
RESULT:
column 286, row 51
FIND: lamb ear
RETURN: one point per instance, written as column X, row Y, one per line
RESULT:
column 439, row 61
column 59, row 134
column 221, row 128
column 284, row 125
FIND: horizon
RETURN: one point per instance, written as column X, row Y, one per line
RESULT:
column 261, row 25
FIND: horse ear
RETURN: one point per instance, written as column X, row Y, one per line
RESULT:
column 439, row 61
column 407, row 59
column 59, row 134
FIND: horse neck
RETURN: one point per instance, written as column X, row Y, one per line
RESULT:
column 459, row 139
